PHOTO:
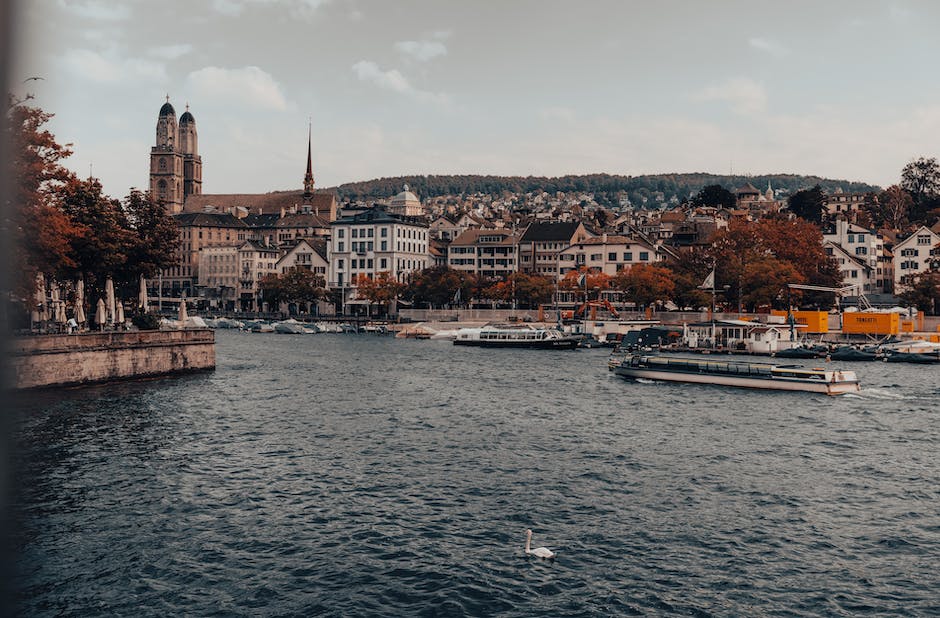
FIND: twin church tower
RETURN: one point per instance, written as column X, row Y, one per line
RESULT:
column 175, row 164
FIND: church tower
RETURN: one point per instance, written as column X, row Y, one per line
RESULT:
column 166, row 161
column 192, row 162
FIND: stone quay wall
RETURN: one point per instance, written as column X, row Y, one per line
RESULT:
column 64, row 360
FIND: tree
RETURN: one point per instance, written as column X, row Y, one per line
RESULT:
column 808, row 204
column 766, row 281
column 689, row 270
column 572, row 282
column 103, row 251
column 155, row 234
column 297, row 285
column 716, row 196
column 532, row 290
column 646, row 284
column 924, row 292
column 42, row 234
column 381, row 289
column 435, row 285
column 921, row 178
column 892, row 207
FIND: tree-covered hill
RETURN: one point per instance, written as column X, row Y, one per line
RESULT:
column 671, row 186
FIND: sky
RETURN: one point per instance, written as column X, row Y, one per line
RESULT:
column 841, row 89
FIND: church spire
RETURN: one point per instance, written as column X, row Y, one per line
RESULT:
column 308, row 177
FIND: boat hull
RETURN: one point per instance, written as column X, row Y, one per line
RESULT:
column 826, row 388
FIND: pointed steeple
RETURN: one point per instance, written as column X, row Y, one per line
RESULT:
column 308, row 177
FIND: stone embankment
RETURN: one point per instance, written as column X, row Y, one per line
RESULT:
column 63, row 360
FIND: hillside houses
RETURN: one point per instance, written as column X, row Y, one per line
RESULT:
column 492, row 237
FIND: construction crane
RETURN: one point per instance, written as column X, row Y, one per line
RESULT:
column 839, row 292
column 594, row 305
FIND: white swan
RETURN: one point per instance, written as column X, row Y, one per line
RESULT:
column 541, row 552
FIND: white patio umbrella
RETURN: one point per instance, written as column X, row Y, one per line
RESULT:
column 183, row 315
column 57, row 306
column 80, row 301
column 101, row 314
column 109, row 292
column 41, row 298
column 142, row 297
column 119, row 317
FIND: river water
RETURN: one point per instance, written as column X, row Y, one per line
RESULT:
column 355, row 475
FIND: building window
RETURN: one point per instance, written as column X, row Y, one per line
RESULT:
column 644, row 256
column 611, row 257
column 628, row 256
column 384, row 232
column 340, row 233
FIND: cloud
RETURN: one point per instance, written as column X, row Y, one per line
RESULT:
column 769, row 46
column 421, row 51
column 171, row 52
column 97, row 10
column 108, row 68
column 249, row 85
column 297, row 8
column 392, row 79
column 557, row 114
column 744, row 95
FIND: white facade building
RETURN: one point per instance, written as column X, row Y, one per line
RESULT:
column 861, row 257
column 912, row 256
column 489, row 253
column 606, row 254
column 376, row 241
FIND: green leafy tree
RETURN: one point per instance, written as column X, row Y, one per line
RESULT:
column 104, row 250
column 716, row 196
column 892, row 208
column 808, row 204
column 924, row 293
column 297, row 285
column 689, row 270
column 436, row 286
column 921, row 178
column 155, row 235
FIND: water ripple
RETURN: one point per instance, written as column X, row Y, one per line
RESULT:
column 363, row 476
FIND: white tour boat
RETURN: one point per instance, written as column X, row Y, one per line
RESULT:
column 736, row 373
column 516, row 336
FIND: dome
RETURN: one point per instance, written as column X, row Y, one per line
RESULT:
column 186, row 118
column 167, row 110
column 405, row 196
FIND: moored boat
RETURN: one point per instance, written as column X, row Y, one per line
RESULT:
column 736, row 373
column 851, row 353
column 801, row 352
column 922, row 358
column 516, row 336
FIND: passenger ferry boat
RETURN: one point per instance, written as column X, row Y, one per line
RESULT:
column 736, row 373
column 516, row 336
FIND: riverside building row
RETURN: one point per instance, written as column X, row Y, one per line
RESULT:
column 229, row 242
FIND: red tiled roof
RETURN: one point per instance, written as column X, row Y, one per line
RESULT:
column 269, row 203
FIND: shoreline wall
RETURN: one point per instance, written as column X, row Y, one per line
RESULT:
column 66, row 360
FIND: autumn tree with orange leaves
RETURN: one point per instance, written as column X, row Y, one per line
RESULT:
column 645, row 284
column 42, row 234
